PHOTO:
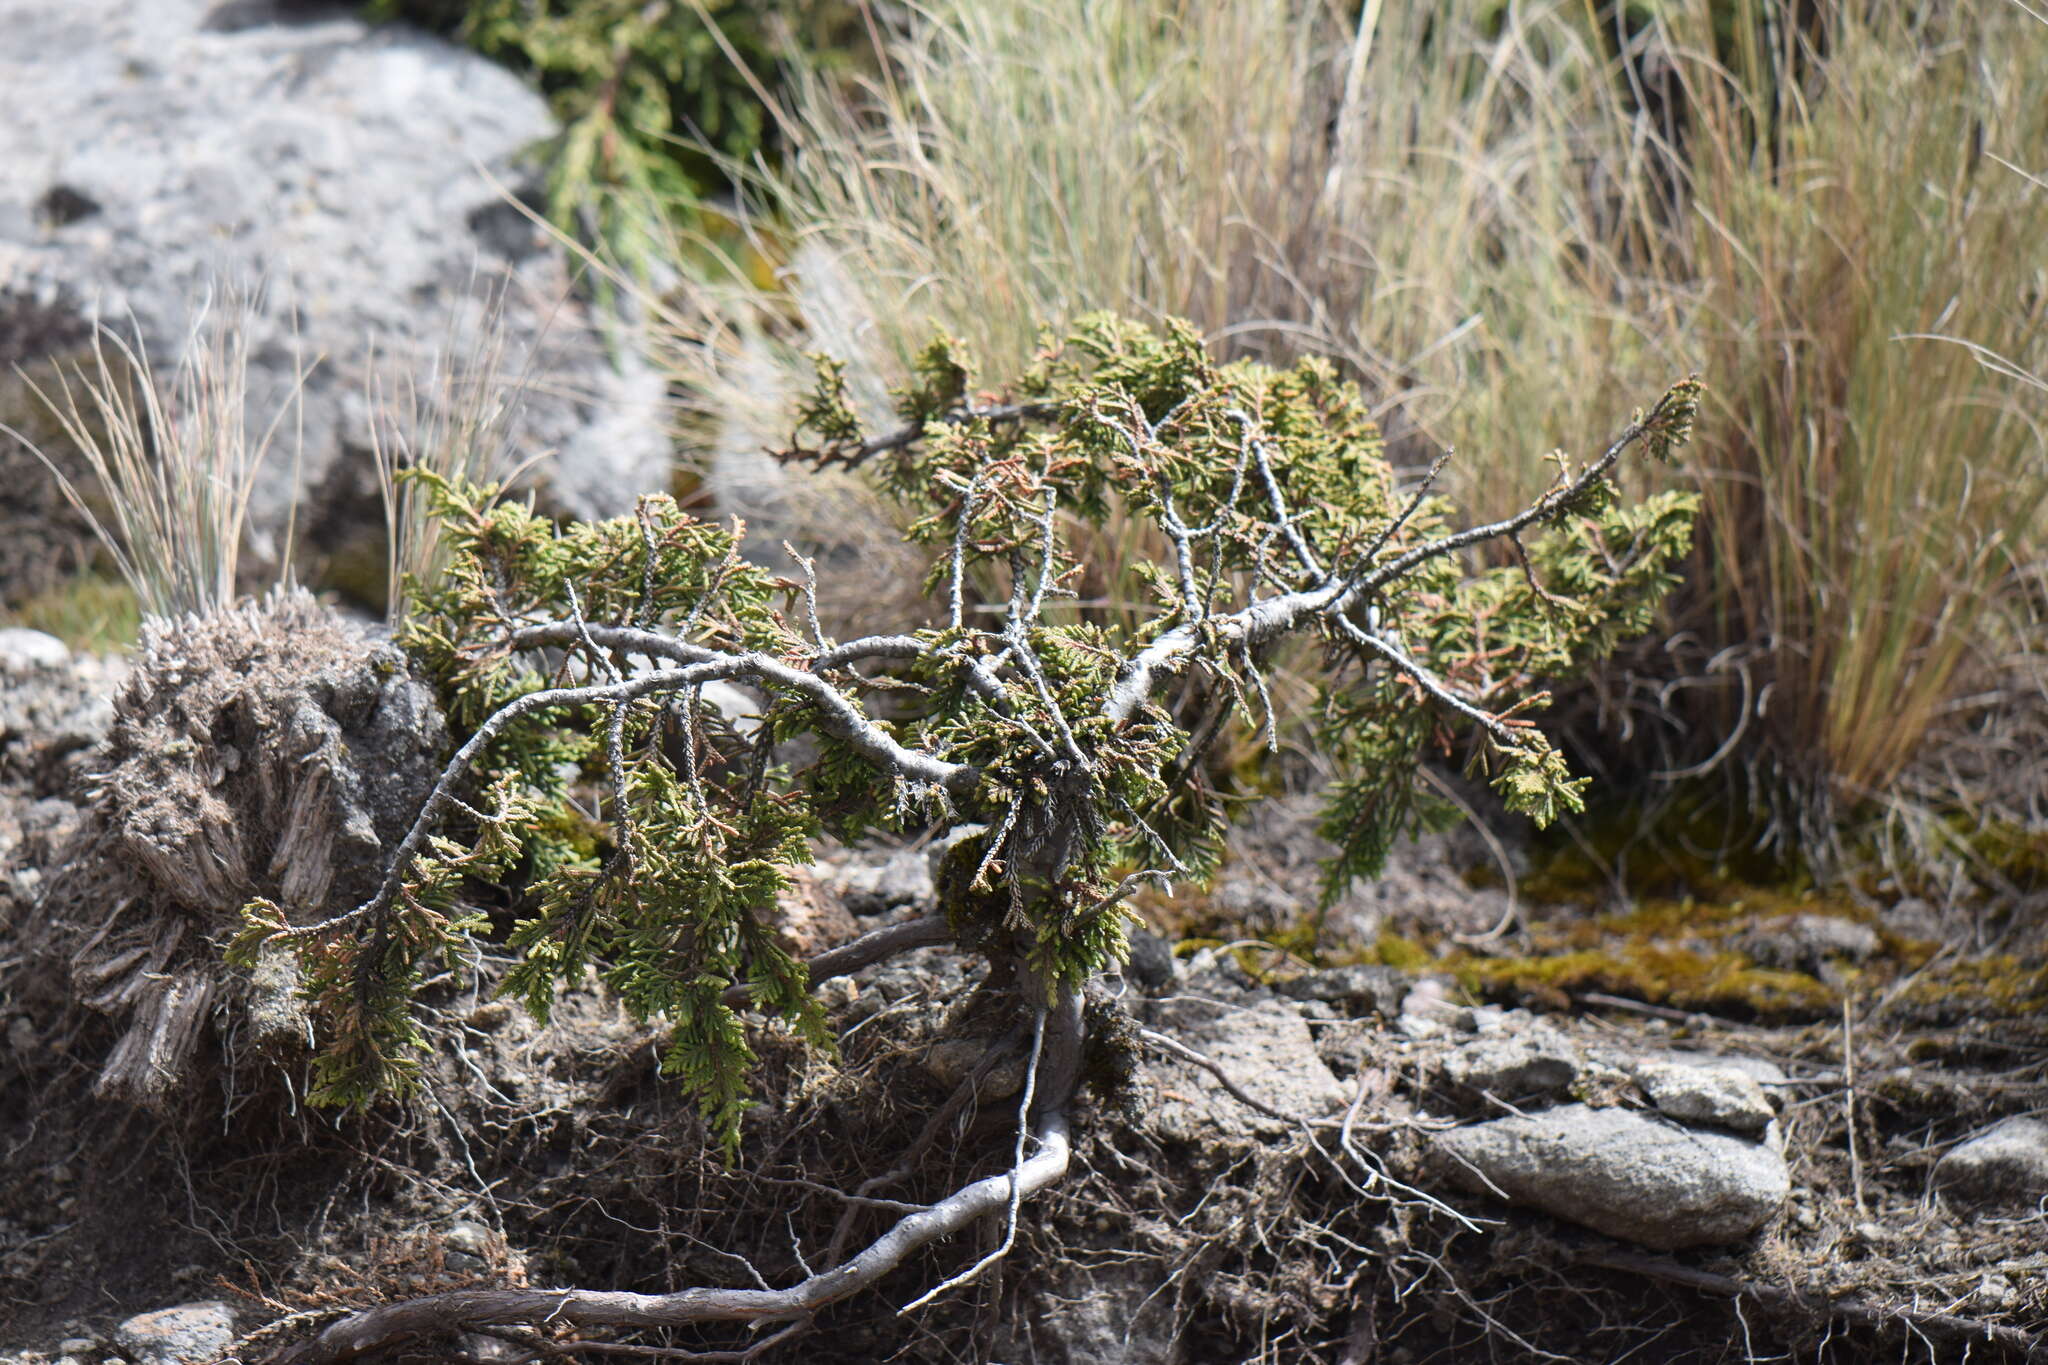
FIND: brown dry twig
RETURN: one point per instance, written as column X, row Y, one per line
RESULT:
column 2030, row 1346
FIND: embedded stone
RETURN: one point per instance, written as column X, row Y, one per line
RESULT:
column 1540, row 1063
column 184, row 1335
column 1633, row 1176
column 1721, row 1095
column 2008, row 1164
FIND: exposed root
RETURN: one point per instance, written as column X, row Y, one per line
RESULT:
column 1947, row 1327
column 470, row 1310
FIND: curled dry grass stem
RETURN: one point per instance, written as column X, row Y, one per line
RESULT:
column 174, row 458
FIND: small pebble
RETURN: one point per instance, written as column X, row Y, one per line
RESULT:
column 467, row 1237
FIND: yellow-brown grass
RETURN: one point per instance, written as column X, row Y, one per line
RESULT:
column 1509, row 221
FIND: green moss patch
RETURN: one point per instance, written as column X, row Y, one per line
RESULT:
column 90, row 612
column 1682, row 978
column 1706, row 957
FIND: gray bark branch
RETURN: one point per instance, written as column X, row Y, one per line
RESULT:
column 375, row 1329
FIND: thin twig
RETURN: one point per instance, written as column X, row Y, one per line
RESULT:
column 1548, row 505
column 1281, row 517
column 1016, row 1165
column 1849, row 1101
column 1415, row 501
column 959, row 587
column 1426, row 680
column 810, row 568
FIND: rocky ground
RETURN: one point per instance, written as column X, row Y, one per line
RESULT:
column 1443, row 1147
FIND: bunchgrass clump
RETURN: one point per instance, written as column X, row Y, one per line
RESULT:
column 1874, row 489
column 174, row 458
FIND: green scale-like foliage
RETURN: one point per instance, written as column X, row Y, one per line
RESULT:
column 1012, row 709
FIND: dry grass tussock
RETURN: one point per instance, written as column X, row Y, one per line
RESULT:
column 169, row 462
column 1504, row 223
column 235, row 766
column 1873, row 299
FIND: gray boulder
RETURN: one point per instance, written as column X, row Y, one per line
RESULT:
column 1633, row 1176
column 2008, row 1164
column 29, row 650
column 353, row 172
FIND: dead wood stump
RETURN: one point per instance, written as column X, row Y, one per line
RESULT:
column 276, row 749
